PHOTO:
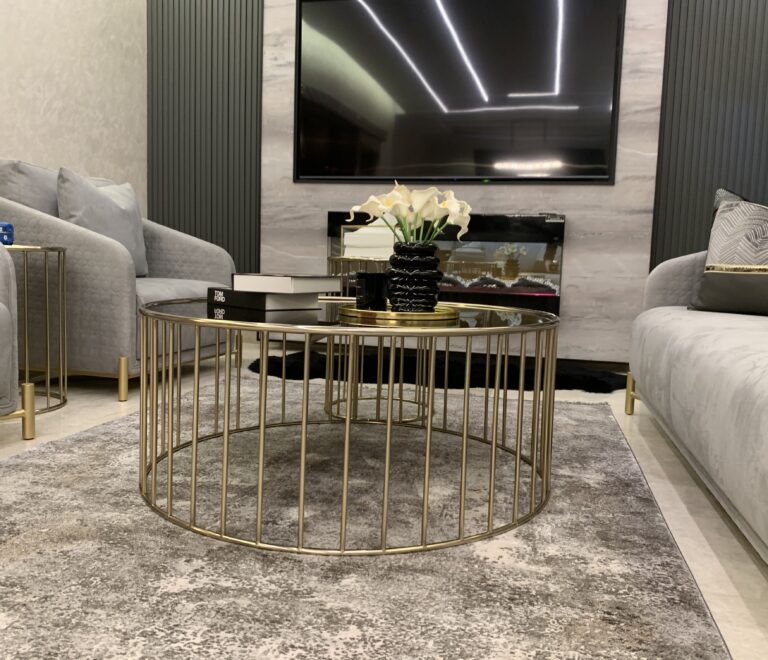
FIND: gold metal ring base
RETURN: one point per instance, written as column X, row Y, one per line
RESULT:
column 352, row 552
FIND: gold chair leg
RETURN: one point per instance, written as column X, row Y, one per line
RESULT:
column 629, row 401
column 28, row 405
column 122, row 379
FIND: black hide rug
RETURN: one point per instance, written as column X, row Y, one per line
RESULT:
column 569, row 376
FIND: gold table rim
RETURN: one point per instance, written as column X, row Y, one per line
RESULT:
column 17, row 247
column 547, row 321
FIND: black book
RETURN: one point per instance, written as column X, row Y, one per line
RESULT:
column 223, row 296
column 278, row 316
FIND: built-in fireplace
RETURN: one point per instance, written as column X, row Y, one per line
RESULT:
column 513, row 260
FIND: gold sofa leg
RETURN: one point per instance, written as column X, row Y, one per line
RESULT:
column 122, row 379
column 629, row 401
column 28, row 406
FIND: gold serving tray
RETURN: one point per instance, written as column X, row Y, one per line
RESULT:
column 442, row 317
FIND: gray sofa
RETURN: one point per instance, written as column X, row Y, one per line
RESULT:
column 704, row 376
column 9, row 358
column 103, row 292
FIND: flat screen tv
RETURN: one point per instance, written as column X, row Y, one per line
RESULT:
column 484, row 90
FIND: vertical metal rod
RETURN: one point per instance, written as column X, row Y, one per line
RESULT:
column 342, row 371
column 402, row 374
column 388, row 447
column 195, row 430
column 379, row 376
column 330, row 367
column 143, row 407
column 264, row 356
column 26, row 317
column 447, row 358
column 550, row 394
column 225, row 436
column 432, row 344
column 282, row 413
column 535, row 428
column 164, row 408
column 494, row 436
column 216, row 381
column 519, row 427
column 178, row 383
column 303, row 451
column 169, row 438
column 153, row 407
column 47, row 336
column 238, row 377
column 506, row 392
column 62, row 326
column 465, row 435
column 361, row 374
column 351, row 385
column 487, row 383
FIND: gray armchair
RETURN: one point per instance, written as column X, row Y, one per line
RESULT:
column 9, row 358
column 103, row 292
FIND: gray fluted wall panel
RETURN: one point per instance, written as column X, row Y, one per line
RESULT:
column 204, row 73
column 714, row 126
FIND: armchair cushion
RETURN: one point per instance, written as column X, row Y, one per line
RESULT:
column 155, row 289
column 30, row 185
column 106, row 208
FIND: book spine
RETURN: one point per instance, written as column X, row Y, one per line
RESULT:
column 223, row 313
column 244, row 299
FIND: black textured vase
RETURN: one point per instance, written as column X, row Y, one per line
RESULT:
column 414, row 280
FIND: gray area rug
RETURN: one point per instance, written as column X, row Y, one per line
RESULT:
column 88, row 570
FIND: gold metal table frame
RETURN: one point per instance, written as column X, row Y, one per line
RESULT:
column 38, row 364
column 177, row 422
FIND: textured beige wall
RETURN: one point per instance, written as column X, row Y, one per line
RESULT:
column 73, row 86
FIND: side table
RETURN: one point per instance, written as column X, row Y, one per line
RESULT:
column 43, row 341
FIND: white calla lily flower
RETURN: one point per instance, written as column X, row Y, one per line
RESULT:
column 418, row 215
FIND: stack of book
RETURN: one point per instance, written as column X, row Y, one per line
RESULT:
column 271, row 298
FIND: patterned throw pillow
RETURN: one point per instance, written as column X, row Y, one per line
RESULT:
column 725, row 195
column 736, row 272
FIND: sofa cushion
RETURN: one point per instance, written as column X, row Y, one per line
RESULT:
column 704, row 375
column 156, row 289
column 735, row 276
column 30, row 185
column 107, row 208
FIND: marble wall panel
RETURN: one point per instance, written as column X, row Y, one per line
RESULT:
column 608, row 229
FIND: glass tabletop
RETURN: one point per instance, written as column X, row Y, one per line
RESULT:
column 468, row 318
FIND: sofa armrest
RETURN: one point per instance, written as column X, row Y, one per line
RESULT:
column 674, row 282
column 173, row 254
column 101, row 288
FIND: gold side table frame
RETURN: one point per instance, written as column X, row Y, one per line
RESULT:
column 43, row 373
column 502, row 422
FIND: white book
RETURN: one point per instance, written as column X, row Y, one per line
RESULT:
column 260, row 283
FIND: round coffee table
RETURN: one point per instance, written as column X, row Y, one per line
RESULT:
column 355, row 440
